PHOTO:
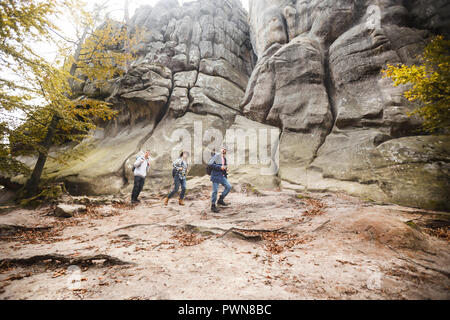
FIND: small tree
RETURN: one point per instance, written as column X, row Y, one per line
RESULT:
column 430, row 85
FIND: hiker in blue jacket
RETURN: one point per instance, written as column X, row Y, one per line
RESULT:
column 219, row 173
column 179, row 172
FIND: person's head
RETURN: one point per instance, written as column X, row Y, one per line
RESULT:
column 184, row 155
column 147, row 154
column 223, row 150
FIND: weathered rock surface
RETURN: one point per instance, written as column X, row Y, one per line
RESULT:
column 308, row 70
column 193, row 67
column 318, row 78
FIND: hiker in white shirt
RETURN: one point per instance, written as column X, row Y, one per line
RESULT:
column 140, row 169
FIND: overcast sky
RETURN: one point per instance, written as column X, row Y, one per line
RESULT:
column 115, row 7
column 134, row 4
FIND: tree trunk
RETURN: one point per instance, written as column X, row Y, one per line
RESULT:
column 76, row 56
column 32, row 185
column 126, row 17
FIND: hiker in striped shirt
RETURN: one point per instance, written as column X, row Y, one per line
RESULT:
column 179, row 172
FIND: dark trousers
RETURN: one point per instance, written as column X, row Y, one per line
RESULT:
column 137, row 188
column 177, row 181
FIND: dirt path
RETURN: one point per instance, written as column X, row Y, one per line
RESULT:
column 275, row 245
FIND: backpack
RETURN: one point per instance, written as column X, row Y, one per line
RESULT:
column 209, row 167
column 175, row 171
column 134, row 168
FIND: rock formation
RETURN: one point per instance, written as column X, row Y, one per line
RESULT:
column 193, row 67
column 344, row 127
column 308, row 69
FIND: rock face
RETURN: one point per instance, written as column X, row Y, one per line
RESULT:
column 192, row 69
column 345, row 128
column 307, row 71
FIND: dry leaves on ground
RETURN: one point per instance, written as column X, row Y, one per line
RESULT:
column 188, row 238
column 53, row 233
column 124, row 205
column 92, row 211
column 59, row 273
column 18, row 276
column 276, row 241
column 315, row 207
column 442, row 233
column 34, row 236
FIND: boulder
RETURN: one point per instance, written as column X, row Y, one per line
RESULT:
column 222, row 68
column 220, row 91
column 64, row 210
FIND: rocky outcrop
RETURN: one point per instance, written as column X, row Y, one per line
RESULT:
column 192, row 69
column 307, row 71
column 318, row 79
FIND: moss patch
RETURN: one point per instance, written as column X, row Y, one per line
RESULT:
column 48, row 195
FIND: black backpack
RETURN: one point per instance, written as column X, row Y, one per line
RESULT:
column 209, row 167
column 134, row 168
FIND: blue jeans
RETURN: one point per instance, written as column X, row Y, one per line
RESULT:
column 178, row 182
column 223, row 181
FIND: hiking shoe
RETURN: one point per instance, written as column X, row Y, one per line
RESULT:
column 166, row 201
column 181, row 202
column 214, row 209
column 221, row 202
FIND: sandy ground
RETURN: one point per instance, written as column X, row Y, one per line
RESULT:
column 268, row 245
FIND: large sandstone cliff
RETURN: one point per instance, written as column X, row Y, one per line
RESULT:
column 344, row 127
column 309, row 69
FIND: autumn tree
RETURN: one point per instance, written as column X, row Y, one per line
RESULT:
column 429, row 85
column 61, row 114
column 20, row 21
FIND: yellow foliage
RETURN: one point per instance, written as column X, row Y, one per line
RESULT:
column 429, row 84
column 102, row 56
